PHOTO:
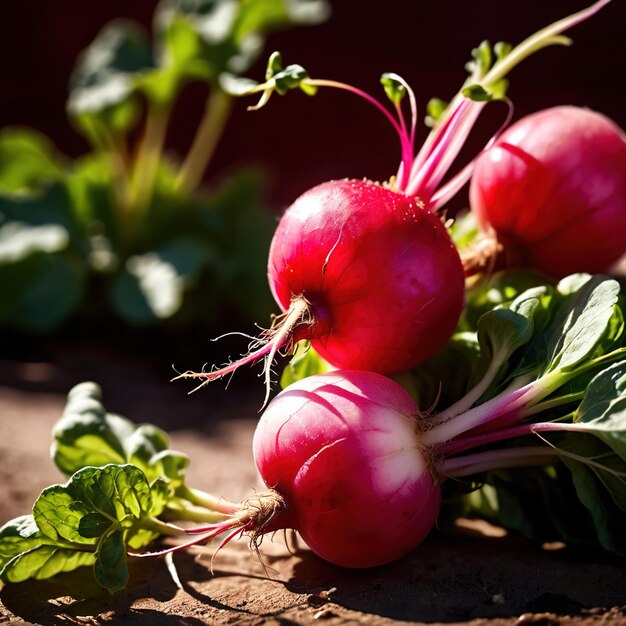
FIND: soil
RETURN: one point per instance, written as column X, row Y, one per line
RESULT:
column 477, row 574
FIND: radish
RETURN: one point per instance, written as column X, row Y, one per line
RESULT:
column 342, row 451
column 381, row 278
column 364, row 273
column 552, row 190
column 367, row 272
column 340, row 454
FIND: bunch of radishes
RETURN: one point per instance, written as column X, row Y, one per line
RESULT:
column 368, row 274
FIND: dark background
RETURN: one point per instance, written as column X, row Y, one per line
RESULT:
column 302, row 141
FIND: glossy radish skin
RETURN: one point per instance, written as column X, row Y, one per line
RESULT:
column 553, row 188
column 343, row 451
column 383, row 280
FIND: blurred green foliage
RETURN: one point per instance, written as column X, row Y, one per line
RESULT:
column 123, row 227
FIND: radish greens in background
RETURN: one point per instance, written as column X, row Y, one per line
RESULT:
column 542, row 417
column 126, row 228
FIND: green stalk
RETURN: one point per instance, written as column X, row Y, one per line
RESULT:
column 547, row 36
column 473, row 395
column 192, row 513
column 118, row 156
column 157, row 526
column 113, row 147
column 552, row 403
column 148, row 159
column 204, row 143
column 207, row 501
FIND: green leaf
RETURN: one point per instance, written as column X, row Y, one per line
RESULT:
column 19, row 241
column 28, row 161
column 111, row 567
column 394, row 86
column 601, row 487
column 490, row 292
column 104, row 75
column 540, row 503
column 435, row 109
column 225, row 36
column 240, row 229
column 41, row 272
column 264, row 16
column 93, row 525
column 289, row 78
column 90, row 183
column 502, row 50
column 481, row 61
column 447, row 376
column 464, row 230
column 58, row 515
column 169, row 464
column 602, row 411
column 503, row 330
column 152, row 286
column 305, row 362
column 182, row 46
column 86, row 435
column 582, row 321
column 44, row 561
column 607, row 467
column 120, row 493
column 477, row 93
column 147, row 449
column 40, row 284
column 237, row 86
column 162, row 491
column 277, row 79
column 18, row 535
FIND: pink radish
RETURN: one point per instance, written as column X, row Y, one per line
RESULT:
column 351, row 464
column 553, row 191
column 341, row 456
column 366, row 274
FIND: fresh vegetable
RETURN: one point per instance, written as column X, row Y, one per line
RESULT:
column 344, row 252
column 552, row 192
column 354, row 465
column 340, row 450
column 398, row 303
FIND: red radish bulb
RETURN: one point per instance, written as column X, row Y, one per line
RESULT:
column 367, row 274
column 342, row 456
column 553, row 189
column 382, row 279
column 343, row 451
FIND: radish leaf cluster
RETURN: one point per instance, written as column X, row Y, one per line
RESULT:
column 126, row 227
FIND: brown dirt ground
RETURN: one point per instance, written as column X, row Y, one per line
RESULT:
column 476, row 575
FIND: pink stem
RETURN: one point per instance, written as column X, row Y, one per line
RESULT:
column 181, row 546
column 421, row 178
column 450, row 189
column 405, row 140
column 460, row 445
